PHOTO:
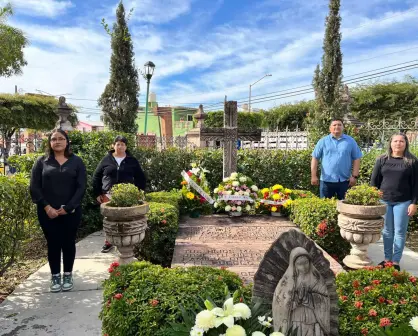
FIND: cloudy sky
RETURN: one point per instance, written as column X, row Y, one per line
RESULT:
column 206, row 49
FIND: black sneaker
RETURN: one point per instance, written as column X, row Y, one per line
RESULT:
column 397, row 267
column 383, row 264
column 107, row 247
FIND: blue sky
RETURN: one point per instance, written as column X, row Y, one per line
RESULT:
column 206, row 49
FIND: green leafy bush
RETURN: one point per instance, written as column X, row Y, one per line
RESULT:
column 18, row 221
column 317, row 218
column 158, row 244
column 363, row 194
column 246, row 120
column 171, row 197
column 143, row 299
column 126, row 195
column 375, row 297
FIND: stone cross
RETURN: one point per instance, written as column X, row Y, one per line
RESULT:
column 229, row 134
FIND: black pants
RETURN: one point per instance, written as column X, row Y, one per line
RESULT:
column 60, row 234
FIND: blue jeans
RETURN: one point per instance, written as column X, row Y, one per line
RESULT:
column 395, row 229
column 331, row 189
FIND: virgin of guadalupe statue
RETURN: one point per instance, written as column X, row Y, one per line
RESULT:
column 301, row 300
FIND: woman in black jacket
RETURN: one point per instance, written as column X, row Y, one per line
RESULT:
column 57, row 186
column 396, row 175
column 118, row 166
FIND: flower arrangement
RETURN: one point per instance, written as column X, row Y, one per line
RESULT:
column 375, row 300
column 126, row 195
column 194, row 188
column 363, row 194
column 236, row 194
column 273, row 199
column 235, row 318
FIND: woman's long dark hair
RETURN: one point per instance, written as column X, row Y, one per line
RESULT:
column 50, row 152
column 408, row 157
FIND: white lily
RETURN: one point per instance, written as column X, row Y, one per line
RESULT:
column 226, row 315
column 195, row 170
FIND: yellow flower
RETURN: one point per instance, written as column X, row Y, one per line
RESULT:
column 277, row 187
column 265, row 190
column 276, row 197
column 190, row 195
column 273, row 209
column 287, row 191
column 288, row 202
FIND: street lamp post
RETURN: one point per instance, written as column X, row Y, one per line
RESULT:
column 249, row 97
column 149, row 71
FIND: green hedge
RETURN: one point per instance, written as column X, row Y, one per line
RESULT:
column 246, row 120
column 18, row 221
column 172, row 197
column 142, row 299
column 158, row 244
column 317, row 218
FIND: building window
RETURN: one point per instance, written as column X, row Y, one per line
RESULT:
column 190, row 117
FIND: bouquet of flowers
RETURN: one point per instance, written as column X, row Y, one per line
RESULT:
column 195, row 191
column 236, row 194
column 273, row 199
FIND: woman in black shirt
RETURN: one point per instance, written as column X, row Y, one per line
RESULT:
column 396, row 175
column 57, row 186
column 118, row 166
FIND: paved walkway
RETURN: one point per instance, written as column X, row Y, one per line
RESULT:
column 33, row 310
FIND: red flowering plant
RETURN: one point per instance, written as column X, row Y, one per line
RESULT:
column 193, row 185
column 374, row 300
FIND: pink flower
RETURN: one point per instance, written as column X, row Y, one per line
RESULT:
column 234, row 209
column 114, row 264
column 154, row 303
column 385, row 322
column 343, row 298
column 239, row 203
column 118, row 296
column 372, row 313
column 358, row 304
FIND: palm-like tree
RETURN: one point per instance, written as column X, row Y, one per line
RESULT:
column 12, row 42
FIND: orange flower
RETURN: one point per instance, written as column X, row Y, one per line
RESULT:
column 154, row 303
column 359, row 318
column 385, row 322
column 372, row 313
column 358, row 304
column 183, row 182
column 343, row 298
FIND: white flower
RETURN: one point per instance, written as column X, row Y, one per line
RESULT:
column 243, row 179
column 248, row 207
column 235, row 330
column 242, row 308
column 277, row 333
column 226, row 179
column 215, row 205
column 229, row 192
column 226, row 314
column 261, row 318
column 235, row 184
column 258, row 333
column 239, row 209
column 228, row 208
column 196, row 331
column 205, row 170
column 205, row 320
column 414, row 323
column 254, row 188
column 246, row 193
column 234, row 176
column 216, row 190
column 195, row 171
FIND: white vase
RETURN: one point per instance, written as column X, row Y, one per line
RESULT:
column 360, row 225
column 125, row 227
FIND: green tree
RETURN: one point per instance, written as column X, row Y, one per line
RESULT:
column 288, row 115
column 327, row 78
column 119, row 101
column 12, row 42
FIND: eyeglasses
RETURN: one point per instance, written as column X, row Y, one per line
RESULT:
column 57, row 139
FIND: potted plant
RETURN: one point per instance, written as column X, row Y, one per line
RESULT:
column 236, row 195
column 124, row 219
column 361, row 221
column 272, row 199
column 195, row 192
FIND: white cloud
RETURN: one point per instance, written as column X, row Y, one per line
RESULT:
column 40, row 8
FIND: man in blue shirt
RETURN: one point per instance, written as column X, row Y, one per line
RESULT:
column 340, row 162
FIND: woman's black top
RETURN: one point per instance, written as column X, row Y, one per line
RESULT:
column 56, row 185
column 396, row 178
column 108, row 173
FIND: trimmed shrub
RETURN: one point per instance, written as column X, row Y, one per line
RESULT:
column 158, row 244
column 142, row 299
column 18, row 221
column 369, row 296
column 171, row 197
column 317, row 218
column 126, row 195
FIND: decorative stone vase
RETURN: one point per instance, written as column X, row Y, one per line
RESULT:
column 235, row 213
column 276, row 214
column 360, row 225
column 124, row 228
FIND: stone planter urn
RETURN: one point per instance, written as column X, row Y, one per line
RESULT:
column 360, row 225
column 124, row 228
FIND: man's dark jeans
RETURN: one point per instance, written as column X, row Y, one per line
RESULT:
column 331, row 189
